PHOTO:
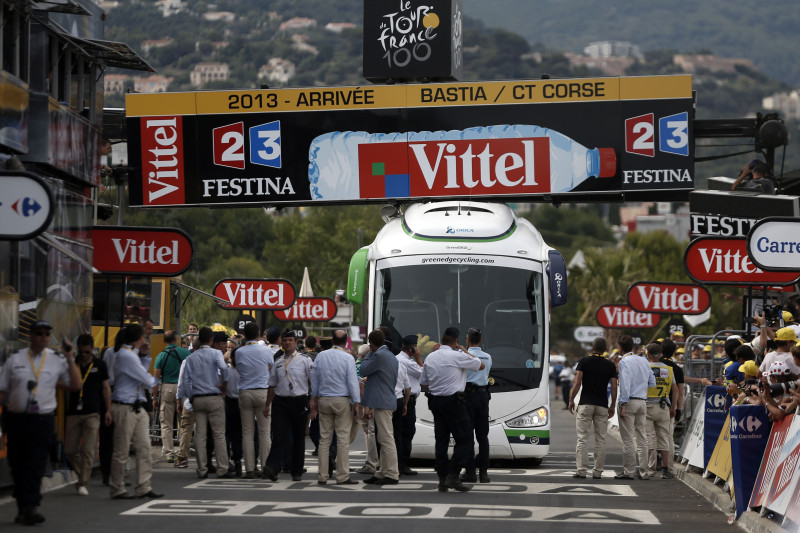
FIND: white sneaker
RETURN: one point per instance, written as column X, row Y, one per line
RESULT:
column 83, row 491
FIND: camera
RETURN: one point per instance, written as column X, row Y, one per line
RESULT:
column 773, row 316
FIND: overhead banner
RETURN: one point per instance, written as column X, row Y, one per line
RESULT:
column 669, row 298
column 773, row 244
column 750, row 427
column 724, row 261
column 573, row 138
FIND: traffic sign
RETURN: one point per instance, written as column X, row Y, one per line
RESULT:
column 248, row 293
column 724, row 261
column 658, row 297
column 135, row 250
column 317, row 146
column 773, row 244
column 309, row 310
column 26, row 205
column 587, row 333
column 618, row 316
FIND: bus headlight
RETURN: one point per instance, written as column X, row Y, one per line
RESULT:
column 535, row 418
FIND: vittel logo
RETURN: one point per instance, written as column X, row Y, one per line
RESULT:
column 162, row 161
column 724, row 260
column 453, row 230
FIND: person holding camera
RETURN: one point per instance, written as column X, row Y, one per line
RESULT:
column 131, row 422
column 444, row 375
column 411, row 359
column 660, row 410
column 28, row 383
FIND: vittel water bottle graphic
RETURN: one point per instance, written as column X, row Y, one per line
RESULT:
column 502, row 159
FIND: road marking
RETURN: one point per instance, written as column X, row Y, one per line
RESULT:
column 222, row 508
column 416, row 486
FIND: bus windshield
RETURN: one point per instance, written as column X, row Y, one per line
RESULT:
column 503, row 297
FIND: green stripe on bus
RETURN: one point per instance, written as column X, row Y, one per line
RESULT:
column 541, row 433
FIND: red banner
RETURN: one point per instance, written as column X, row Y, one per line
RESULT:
column 619, row 316
column 135, row 250
column 724, row 261
column 309, row 310
column 674, row 298
column 770, row 461
column 162, row 160
column 243, row 293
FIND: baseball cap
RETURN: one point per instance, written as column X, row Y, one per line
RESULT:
column 749, row 368
column 677, row 334
column 786, row 334
column 41, row 324
column 410, row 340
column 778, row 368
column 787, row 316
column 680, row 350
column 707, row 348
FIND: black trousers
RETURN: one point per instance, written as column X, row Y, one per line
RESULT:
column 289, row 416
column 30, row 437
column 404, row 427
column 450, row 418
column 477, row 401
column 233, row 428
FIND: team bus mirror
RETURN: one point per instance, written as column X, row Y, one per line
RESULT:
column 557, row 273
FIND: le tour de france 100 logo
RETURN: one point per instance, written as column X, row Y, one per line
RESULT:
column 404, row 33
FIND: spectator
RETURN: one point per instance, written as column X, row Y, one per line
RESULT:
column 167, row 369
column 785, row 339
column 635, row 377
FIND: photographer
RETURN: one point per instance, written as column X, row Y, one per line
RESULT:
column 780, row 391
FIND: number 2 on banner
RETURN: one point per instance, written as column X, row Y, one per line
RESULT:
column 640, row 135
column 229, row 145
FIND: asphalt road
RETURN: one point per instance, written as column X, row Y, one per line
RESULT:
column 518, row 498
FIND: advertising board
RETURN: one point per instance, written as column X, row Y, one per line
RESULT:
column 26, row 205
column 246, row 293
column 136, row 250
column 309, row 310
column 619, row 316
column 773, row 244
column 675, row 298
column 724, row 261
column 573, row 138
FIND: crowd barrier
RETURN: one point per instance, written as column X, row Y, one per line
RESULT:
column 758, row 460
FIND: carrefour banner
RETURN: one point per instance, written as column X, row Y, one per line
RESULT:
column 716, row 405
column 750, row 427
column 570, row 139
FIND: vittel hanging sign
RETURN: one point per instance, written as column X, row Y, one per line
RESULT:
column 243, row 293
column 617, row 316
column 135, row 250
column 671, row 298
column 724, row 261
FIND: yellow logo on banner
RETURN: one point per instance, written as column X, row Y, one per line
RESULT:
column 720, row 462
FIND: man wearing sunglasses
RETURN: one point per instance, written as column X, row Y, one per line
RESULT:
column 28, row 383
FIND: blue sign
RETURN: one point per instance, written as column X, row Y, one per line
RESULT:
column 265, row 144
column 557, row 272
column 716, row 404
column 674, row 134
column 750, row 428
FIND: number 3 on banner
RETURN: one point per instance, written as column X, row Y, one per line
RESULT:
column 674, row 134
column 265, row 144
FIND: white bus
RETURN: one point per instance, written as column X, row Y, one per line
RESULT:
column 470, row 264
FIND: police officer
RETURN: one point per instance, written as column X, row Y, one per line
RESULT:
column 205, row 376
column 28, row 382
column 411, row 359
column 287, row 399
column 129, row 379
column 444, row 375
column 477, row 399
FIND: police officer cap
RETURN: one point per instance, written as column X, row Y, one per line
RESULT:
column 410, row 340
column 452, row 332
column 289, row 333
column 40, row 324
column 220, row 336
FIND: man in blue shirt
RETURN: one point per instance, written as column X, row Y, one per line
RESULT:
column 253, row 363
column 379, row 368
column 335, row 395
column 635, row 377
column 477, row 399
column 204, row 377
column 131, row 421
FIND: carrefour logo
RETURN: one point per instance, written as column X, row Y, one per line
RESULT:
column 717, row 400
column 451, row 229
column 747, row 424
